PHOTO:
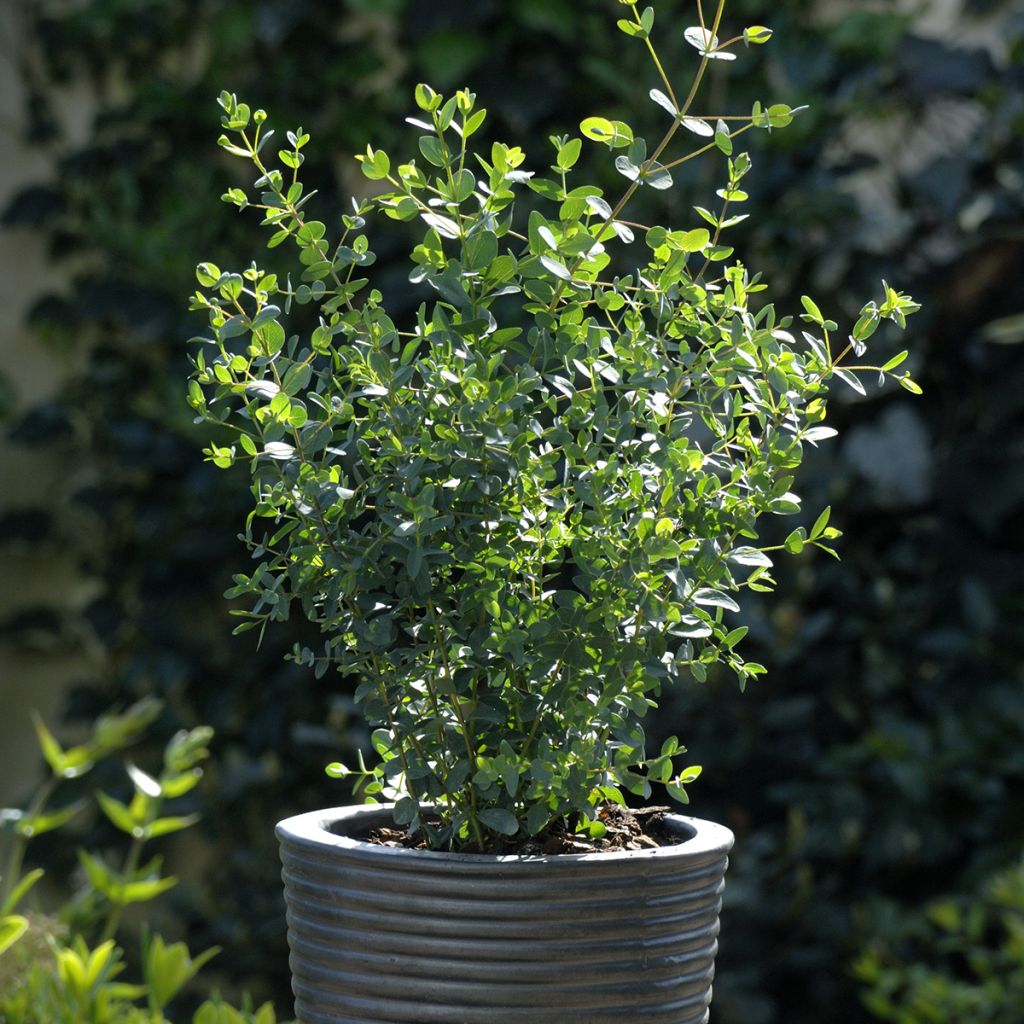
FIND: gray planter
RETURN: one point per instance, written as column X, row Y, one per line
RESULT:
column 383, row 934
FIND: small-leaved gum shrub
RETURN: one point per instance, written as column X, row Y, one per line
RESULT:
column 64, row 966
column 521, row 514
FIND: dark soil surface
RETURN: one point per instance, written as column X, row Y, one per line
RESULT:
column 626, row 829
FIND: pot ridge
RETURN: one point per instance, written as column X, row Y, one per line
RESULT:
column 428, row 937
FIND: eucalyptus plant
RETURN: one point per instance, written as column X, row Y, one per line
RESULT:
column 522, row 513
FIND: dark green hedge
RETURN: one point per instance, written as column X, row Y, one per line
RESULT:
column 882, row 761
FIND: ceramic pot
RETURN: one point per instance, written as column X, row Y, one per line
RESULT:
column 384, row 934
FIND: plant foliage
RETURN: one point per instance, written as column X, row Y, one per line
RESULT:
column 66, row 967
column 961, row 962
column 882, row 759
column 519, row 515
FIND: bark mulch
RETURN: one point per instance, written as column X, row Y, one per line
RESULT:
column 627, row 828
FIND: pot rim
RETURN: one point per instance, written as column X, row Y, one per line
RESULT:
column 314, row 828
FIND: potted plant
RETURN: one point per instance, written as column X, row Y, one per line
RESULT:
column 516, row 516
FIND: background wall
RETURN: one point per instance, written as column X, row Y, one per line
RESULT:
column 880, row 764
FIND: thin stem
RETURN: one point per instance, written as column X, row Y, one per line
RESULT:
column 16, row 854
column 714, row 240
column 685, row 109
column 704, row 149
column 649, row 162
column 131, row 865
column 293, row 210
column 474, row 821
column 657, row 63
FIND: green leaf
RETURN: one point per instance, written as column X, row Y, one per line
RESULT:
column 225, row 143
column 556, row 267
column 698, row 126
column 12, row 927
column 178, row 785
column 145, row 890
column 264, row 316
column 406, row 811
column 463, row 183
column 820, row 523
column 734, row 636
column 165, row 826
column 779, row 115
column 794, row 543
column 99, row 875
column 473, row 123
column 722, row 138
column 49, row 746
column 715, row 598
column 499, row 820
column 691, row 241
column 749, row 556
column 599, row 129
column 866, row 325
column 813, row 314
column 119, row 814
column 895, row 361
column 19, row 891
column 631, row 28
column 569, row 154
column 432, row 150
column 426, row 98
column 207, row 274
column 850, row 380
column 627, row 168
column 376, row 164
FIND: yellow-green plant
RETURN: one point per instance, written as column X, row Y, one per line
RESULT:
column 66, row 967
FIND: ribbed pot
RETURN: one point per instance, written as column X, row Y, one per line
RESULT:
column 384, row 934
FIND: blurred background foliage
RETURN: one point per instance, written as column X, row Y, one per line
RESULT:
column 882, row 763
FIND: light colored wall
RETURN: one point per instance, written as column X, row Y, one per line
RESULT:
column 36, row 671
